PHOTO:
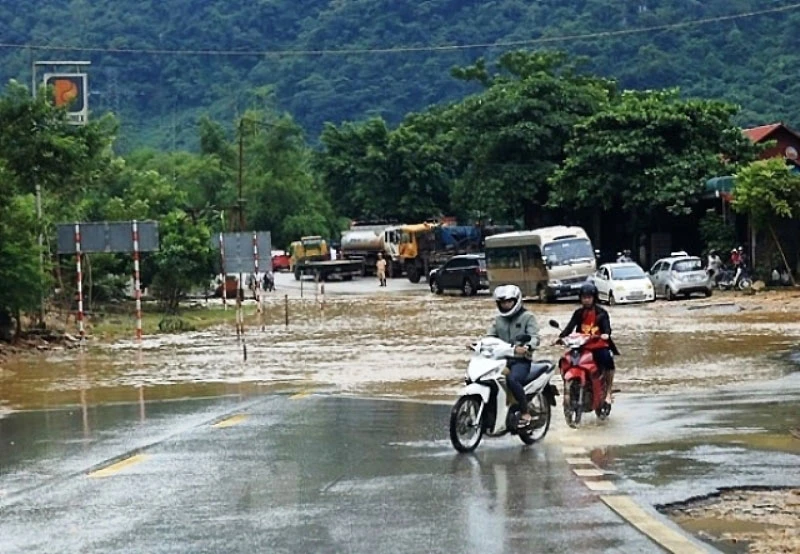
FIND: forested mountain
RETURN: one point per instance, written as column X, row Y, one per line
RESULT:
column 751, row 61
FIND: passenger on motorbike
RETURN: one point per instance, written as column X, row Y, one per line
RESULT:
column 513, row 319
column 714, row 266
column 624, row 257
column 591, row 319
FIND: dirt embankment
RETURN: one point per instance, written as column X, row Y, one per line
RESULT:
column 763, row 521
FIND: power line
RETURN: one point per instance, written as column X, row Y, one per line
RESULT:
column 405, row 49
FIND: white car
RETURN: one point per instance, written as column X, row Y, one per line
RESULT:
column 622, row 283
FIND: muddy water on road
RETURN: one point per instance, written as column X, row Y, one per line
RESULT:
column 405, row 345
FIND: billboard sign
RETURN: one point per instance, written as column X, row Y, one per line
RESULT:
column 70, row 90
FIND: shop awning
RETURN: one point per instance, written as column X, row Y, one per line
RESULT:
column 720, row 187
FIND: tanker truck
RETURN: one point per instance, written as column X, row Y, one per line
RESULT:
column 364, row 243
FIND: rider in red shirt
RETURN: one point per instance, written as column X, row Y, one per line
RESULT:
column 591, row 319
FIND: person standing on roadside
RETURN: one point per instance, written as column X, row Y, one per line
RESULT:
column 380, row 266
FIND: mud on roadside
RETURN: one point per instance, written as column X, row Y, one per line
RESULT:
column 744, row 520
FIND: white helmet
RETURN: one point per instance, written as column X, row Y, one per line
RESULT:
column 508, row 292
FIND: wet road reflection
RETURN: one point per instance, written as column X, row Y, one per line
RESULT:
column 315, row 474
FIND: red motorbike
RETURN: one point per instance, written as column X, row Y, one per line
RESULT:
column 584, row 384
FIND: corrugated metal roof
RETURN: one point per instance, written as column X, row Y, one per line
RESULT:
column 757, row 134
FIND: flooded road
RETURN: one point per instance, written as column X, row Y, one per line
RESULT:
column 709, row 391
column 401, row 345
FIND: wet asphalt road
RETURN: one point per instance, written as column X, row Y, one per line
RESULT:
column 701, row 442
column 287, row 474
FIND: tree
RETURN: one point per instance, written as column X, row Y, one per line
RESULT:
column 281, row 191
column 510, row 139
column 649, row 151
column 394, row 175
column 352, row 167
column 184, row 259
column 766, row 190
column 21, row 279
column 39, row 148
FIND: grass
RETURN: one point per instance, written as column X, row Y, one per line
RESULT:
column 113, row 326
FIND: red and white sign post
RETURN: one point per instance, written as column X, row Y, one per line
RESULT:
column 81, row 329
column 256, row 280
column 224, row 275
column 137, row 283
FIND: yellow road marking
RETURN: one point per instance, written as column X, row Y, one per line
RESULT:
column 600, row 485
column 119, row 466
column 589, row 472
column 300, row 395
column 665, row 536
column 230, row 422
column 573, row 450
column 580, row 462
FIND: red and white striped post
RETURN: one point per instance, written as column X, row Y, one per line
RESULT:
column 81, row 330
column 256, row 281
column 137, row 284
column 224, row 275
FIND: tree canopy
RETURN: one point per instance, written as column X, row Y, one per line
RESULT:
column 647, row 151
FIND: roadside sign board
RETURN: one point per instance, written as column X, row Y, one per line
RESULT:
column 107, row 237
column 240, row 250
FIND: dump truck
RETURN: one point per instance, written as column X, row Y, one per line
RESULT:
column 424, row 246
column 311, row 256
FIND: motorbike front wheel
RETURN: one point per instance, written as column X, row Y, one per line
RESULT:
column 466, row 430
column 539, row 407
column 573, row 409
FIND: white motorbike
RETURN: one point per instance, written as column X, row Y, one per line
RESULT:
column 486, row 404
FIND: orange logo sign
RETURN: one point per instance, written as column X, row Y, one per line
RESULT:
column 64, row 91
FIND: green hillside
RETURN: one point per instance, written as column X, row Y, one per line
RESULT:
column 751, row 61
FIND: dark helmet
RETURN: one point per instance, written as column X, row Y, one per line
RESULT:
column 588, row 289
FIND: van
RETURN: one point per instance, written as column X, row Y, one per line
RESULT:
column 546, row 263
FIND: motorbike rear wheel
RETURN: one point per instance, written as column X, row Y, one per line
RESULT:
column 539, row 407
column 573, row 410
column 466, row 430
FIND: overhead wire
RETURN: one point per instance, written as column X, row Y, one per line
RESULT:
column 406, row 49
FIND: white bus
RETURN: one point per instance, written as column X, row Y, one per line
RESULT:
column 546, row 263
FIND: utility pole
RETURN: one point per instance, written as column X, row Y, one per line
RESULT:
column 241, row 160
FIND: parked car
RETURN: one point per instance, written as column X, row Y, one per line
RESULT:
column 679, row 275
column 280, row 261
column 619, row 283
column 465, row 272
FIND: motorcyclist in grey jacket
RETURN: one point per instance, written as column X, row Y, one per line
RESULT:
column 512, row 320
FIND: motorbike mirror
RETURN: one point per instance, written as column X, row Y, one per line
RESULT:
column 554, row 323
column 522, row 338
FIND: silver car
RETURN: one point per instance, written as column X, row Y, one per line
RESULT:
column 679, row 275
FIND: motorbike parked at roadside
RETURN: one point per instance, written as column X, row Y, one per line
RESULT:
column 584, row 382
column 730, row 279
column 486, row 405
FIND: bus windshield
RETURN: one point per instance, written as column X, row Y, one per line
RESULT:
column 568, row 251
